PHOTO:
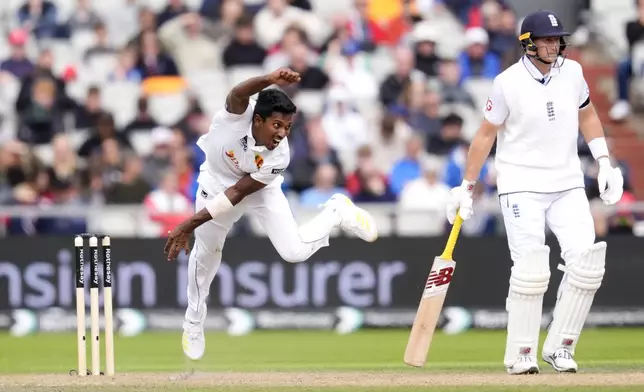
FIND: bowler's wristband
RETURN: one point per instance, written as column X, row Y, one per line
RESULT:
column 218, row 205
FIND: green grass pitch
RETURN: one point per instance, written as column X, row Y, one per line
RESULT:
column 609, row 359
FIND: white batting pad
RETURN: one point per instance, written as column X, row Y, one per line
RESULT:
column 581, row 281
column 528, row 283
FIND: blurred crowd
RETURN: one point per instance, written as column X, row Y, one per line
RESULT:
column 102, row 104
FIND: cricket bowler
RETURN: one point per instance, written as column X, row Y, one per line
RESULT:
column 535, row 110
column 246, row 152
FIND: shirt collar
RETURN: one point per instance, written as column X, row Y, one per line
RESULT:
column 251, row 141
column 536, row 74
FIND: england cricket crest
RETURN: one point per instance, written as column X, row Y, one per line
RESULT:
column 439, row 278
column 259, row 161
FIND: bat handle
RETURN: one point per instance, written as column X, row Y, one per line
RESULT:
column 453, row 236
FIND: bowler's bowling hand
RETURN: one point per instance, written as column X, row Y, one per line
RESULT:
column 284, row 76
column 178, row 239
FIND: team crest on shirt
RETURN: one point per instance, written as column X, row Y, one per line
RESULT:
column 231, row 154
column 259, row 161
column 550, row 108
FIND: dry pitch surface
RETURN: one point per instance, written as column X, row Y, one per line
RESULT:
column 314, row 379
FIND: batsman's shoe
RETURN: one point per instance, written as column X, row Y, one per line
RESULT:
column 524, row 365
column 562, row 361
column 353, row 219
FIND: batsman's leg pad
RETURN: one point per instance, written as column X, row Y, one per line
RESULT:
column 581, row 281
column 528, row 283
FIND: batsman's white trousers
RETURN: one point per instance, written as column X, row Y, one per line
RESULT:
column 273, row 212
column 566, row 213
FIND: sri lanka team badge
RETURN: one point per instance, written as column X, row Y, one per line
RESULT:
column 259, row 161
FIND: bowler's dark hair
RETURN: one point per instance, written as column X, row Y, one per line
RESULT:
column 273, row 100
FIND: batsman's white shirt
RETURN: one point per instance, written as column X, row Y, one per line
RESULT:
column 231, row 153
column 537, row 147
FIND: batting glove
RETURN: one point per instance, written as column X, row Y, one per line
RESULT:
column 460, row 200
column 610, row 181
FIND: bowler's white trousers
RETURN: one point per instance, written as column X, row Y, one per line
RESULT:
column 566, row 213
column 273, row 212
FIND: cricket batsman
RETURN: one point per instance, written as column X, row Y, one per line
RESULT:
column 535, row 110
column 246, row 152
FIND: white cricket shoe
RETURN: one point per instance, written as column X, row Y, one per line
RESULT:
column 353, row 219
column 194, row 339
column 523, row 365
column 562, row 361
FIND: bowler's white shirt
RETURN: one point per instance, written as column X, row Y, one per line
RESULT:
column 537, row 147
column 231, row 153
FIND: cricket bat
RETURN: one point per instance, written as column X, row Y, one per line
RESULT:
column 431, row 302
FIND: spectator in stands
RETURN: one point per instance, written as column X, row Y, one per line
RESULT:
column 392, row 87
column 17, row 64
column 191, row 41
column 64, row 168
column 345, row 128
column 243, row 49
column 312, row 77
column 166, row 205
column 502, row 33
column 86, row 116
column 158, row 161
column 635, row 36
column 83, row 17
column 147, row 22
column 455, row 166
column 352, row 69
column 426, row 193
column 476, row 61
column 143, row 120
column 409, row 167
column 424, row 38
column 195, row 123
column 152, row 61
column 279, row 55
column 451, row 84
column 105, row 129
column 273, row 19
column 318, row 152
column 43, row 70
column 131, row 188
column 42, row 117
column 107, row 162
column 368, row 184
column 102, row 45
column 171, row 11
column 126, row 69
column 181, row 165
column 427, row 119
column 15, row 167
column 324, row 186
column 24, row 194
column 450, row 136
column 64, row 194
column 389, row 144
column 39, row 17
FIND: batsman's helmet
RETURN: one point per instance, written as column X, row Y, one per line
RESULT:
column 541, row 24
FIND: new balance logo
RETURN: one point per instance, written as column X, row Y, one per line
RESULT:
column 440, row 278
